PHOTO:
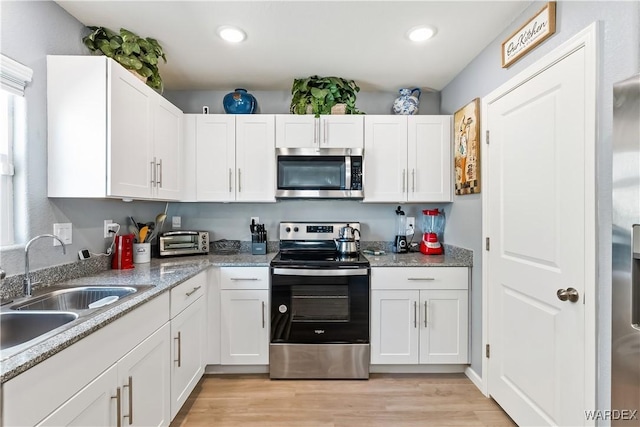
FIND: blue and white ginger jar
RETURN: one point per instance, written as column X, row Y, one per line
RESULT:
column 407, row 103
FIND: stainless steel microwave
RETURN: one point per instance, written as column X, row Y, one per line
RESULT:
column 319, row 173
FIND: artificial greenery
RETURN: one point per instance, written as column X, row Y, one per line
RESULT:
column 322, row 93
column 139, row 54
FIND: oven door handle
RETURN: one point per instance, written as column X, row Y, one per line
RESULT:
column 316, row 272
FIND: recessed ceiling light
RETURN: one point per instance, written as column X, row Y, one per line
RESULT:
column 231, row 34
column 421, row 33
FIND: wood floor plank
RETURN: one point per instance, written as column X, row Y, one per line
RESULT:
column 404, row 400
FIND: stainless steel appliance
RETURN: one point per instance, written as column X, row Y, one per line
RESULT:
column 625, row 346
column 319, row 173
column 174, row 243
column 319, row 305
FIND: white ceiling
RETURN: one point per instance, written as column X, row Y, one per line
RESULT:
column 360, row 40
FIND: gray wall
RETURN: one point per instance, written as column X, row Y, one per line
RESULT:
column 30, row 30
column 619, row 50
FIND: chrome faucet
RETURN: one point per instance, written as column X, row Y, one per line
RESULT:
column 26, row 283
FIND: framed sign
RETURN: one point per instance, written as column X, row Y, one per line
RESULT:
column 466, row 148
column 530, row 35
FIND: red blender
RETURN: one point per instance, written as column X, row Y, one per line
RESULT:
column 433, row 226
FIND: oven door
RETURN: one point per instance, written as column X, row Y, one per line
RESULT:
column 319, row 305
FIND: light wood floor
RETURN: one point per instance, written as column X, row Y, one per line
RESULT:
column 388, row 400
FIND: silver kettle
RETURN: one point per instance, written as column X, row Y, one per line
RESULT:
column 347, row 244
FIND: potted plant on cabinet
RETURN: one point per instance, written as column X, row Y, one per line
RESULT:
column 319, row 95
column 138, row 54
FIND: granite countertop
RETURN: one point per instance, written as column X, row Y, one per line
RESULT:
column 167, row 273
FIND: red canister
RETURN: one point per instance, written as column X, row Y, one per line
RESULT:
column 123, row 253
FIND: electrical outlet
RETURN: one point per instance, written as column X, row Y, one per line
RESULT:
column 64, row 232
column 256, row 219
column 411, row 225
column 110, row 228
column 176, row 222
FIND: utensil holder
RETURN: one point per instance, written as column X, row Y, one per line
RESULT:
column 141, row 253
column 259, row 248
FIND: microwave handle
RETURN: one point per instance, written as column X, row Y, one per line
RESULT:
column 347, row 171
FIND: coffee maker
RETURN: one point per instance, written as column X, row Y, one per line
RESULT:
column 400, row 241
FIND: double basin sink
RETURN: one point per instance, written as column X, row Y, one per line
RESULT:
column 28, row 321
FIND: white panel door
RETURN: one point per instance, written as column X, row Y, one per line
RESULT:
column 244, row 327
column 385, row 159
column 130, row 146
column 255, row 158
column 167, row 140
column 444, row 324
column 296, row 131
column 342, row 131
column 394, row 327
column 536, row 217
column 215, row 157
column 429, row 158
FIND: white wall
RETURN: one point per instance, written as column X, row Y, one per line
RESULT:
column 619, row 52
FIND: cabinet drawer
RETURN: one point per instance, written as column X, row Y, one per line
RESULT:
column 186, row 293
column 244, row 278
column 420, row 278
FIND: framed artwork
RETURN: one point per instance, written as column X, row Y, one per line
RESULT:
column 536, row 30
column 466, row 157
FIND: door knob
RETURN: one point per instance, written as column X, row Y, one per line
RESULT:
column 568, row 294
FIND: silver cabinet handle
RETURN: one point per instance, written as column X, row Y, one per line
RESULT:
column 413, row 178
column 230, row 180
column 425, row 314
column 415, row 314
column 316, row 136
column 236, row 279
column 421, row 278
column 570, row 294
column 130, row 386
column 404, row 172
column 326, row 132
column 118, row 398
column 159, row 175
column 239, row 180
column 179, row 359
column 193, row 291
column 153, row 172
column 263, row 315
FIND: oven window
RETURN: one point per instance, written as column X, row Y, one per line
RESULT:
column 328, row 303
column 311, row 173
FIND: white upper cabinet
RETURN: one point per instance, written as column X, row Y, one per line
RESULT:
column 232, row 159
column 109, row 134
column 330, row 131
column 407, row 159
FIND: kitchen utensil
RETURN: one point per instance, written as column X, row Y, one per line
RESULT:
column 143, row 234
column 133, row 230
column 348, row 232
column 346, row 244
column 400, row 242
column 135, row 224
column 432, row 226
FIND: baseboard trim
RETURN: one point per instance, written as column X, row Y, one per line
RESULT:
column 416, row 369
column 476, row 380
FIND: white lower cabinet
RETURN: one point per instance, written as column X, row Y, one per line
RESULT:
column 135, row 390
column 244, row 309
column 419, row 316
column 189, row 340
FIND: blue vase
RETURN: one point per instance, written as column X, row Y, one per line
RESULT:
column 239, row 102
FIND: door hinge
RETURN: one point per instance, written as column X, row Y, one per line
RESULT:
column 487, row 243
column 487, row 351
column 486, row 140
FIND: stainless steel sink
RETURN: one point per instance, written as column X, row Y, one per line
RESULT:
column 82, row 298
column 19, row 327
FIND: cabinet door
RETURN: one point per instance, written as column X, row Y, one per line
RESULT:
column 296, row 130
column 444, row 323
column 429, row 167
column 189, row 341
column 215, row 157
column 244, row 327
column 394, row 327
column 255, row 158
column 143, row 375
column 385, row 162
column 168, row 150
column 95, row 405
column 130, row 147
column 342, row 131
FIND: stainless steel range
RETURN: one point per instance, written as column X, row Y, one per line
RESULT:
column 319, row 304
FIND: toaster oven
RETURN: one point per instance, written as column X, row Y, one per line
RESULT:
column 174, row 243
